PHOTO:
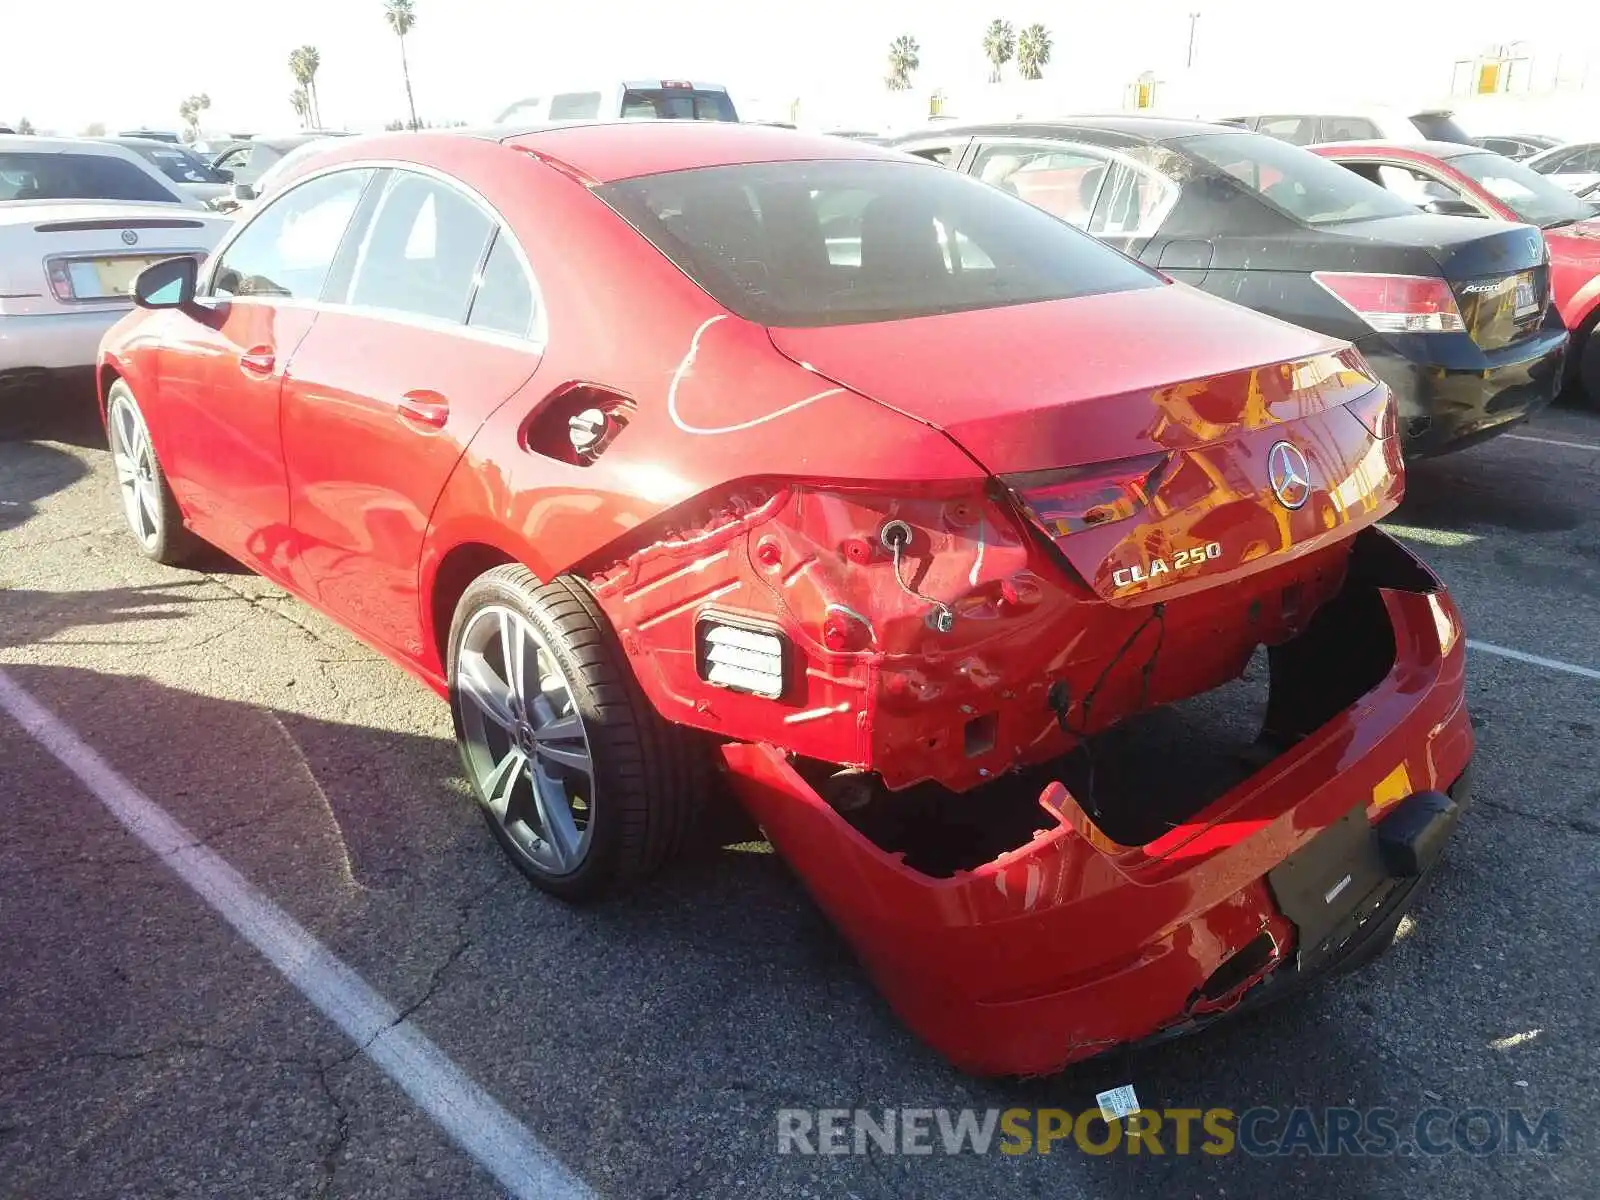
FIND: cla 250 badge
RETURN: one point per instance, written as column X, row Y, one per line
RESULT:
column 1181, row 561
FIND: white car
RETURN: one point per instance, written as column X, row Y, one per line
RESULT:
column 1575, row 166
column 79, row 220
column 1358, row 123
column 627, row 100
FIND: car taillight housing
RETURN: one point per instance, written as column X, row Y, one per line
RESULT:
column 61, row 282
column 1378, row 412
column 1395, row 303
column 1072, row 499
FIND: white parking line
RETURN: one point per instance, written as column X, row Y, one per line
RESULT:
column 1536, row 660
column 1523, row 437
column 467, row 1113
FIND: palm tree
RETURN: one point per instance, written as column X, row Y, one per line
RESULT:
column 190, row 111
column 301, row 103
column 303, row 65
column 1033, row 51
column 904, row 58
column 402, row 17
column 999, row 44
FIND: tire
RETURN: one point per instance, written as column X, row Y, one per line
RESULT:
column 1589, row 364
column 148, row 505
column 639, row 804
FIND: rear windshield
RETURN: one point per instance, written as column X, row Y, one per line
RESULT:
column 840, row 243
column 1302, row 185
column 1530, row 195
column 677, row 104
column 32, row 176
column 179, row 164
column 1440, row 127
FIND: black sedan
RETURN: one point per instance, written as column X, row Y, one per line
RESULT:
column 1454, row 313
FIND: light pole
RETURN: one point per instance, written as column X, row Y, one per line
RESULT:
column 1194, row 19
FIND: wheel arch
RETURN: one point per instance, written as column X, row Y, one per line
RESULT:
column 447, row 574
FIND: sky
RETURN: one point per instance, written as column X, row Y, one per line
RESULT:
column 67, row 63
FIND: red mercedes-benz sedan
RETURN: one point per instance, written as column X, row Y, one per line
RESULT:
column 658, row 447
column 1469, row 181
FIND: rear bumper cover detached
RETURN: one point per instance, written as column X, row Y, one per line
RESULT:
column 1072, row 944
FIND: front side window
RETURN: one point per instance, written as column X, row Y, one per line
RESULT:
column 801, row 244
column 29, row 175
column 288, row 247
column 1301, row 185
column 1534, row 198
column 422, row 250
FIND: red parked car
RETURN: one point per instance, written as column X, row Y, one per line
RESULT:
column 1468, row 181
column 653, row 446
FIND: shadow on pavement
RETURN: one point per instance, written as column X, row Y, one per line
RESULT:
column 64, row 409
column 666, row 1028
column 1486, row 487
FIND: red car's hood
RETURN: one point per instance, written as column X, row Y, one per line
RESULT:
column 1077, row 381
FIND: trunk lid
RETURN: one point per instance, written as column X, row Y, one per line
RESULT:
column 79, row 255
column 1499, row 272
column 1147, row 460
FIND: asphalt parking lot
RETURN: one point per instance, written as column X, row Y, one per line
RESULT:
column 148, row 1050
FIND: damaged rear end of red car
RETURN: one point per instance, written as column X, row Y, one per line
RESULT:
column 914, row 685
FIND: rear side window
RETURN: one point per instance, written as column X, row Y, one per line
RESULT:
column 505, row 301
column 835, row 243
column 288, row 247
column 1065, row 183
column 1301, row 131
column 1347, row 129
column 677, row 104
column 422, row 250
column 34, row 176
column 1302, row 185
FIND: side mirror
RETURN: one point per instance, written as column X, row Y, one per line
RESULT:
column 1452, row 207
column 223, row 173
column 167, row 284
column 243, row 192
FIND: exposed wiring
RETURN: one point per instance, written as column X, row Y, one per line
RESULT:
column 1061, row 702
column 896, row 536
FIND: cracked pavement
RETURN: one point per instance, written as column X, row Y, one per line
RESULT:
column 146, row 1051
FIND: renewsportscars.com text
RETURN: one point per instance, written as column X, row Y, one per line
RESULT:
column 1258, row 1132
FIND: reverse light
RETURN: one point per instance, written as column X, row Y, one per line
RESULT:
column 1068, row 501
column 1395, row 303
column 740, row 658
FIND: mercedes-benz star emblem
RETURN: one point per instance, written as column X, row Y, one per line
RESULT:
column 129, row 237
column 1289, row 474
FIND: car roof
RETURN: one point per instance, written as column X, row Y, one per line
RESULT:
column 1440, row 150
column 62, row 145
column 608, row 150
column 1131, row 127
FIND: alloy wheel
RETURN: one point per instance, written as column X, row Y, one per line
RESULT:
column 136, row 471
column 524, row 740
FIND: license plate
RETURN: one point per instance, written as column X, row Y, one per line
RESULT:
column 104, row 278
column 1527, row 302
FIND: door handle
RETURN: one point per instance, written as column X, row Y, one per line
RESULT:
column 257, row 362
column 428, row 409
